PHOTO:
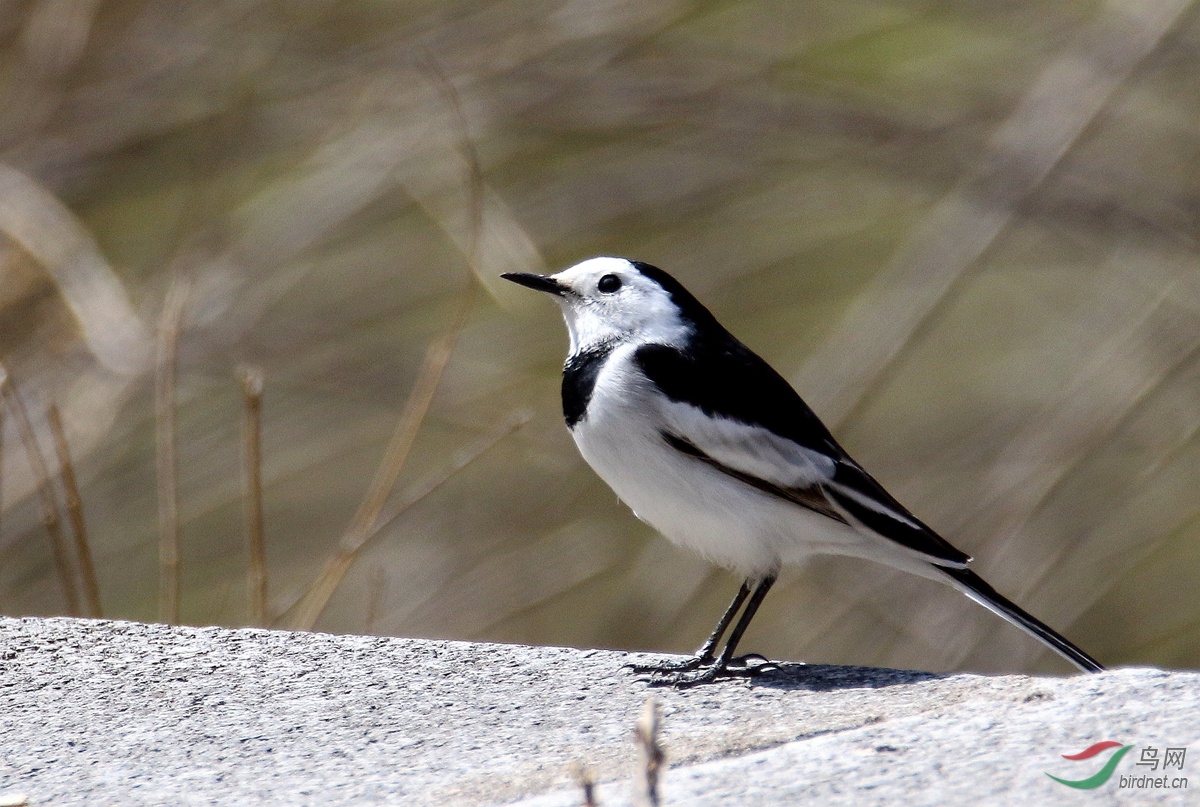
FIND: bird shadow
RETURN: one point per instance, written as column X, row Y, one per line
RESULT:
column 793, row 675
column 760, row 672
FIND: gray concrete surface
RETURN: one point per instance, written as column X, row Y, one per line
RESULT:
column 96, row 712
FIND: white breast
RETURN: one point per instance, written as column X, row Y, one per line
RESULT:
column 688, row 501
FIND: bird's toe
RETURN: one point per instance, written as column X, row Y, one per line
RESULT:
column 668, row 667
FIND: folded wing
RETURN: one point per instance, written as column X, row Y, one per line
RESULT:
column 730, row 410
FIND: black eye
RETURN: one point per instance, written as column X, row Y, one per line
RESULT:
column 609, row 283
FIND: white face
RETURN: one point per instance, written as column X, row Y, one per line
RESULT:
column 609, row 300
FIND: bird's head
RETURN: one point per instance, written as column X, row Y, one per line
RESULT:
column 614, row 300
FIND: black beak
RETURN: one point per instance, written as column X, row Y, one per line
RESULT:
column 536, row 282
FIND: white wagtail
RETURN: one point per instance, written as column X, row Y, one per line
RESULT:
column 715, row 450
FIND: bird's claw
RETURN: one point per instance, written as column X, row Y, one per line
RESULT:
column 763, row 665
column 667, row 667
column 699, row 670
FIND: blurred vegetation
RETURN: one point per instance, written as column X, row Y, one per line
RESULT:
column 966, row 231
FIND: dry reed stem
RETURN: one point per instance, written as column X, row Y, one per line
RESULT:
column 51, row 516
column 3, row 378
column 251, row 379
column 437, row 357
column 1100, row 430
column 964, row 223
column 70, row 486
column 473, row 180
column 45, row 228
column 582, row 773
column 166, row 453
column 376, row 586
column 650, row 754
column 312, row 603
column 883, row 320
column 1089, row 424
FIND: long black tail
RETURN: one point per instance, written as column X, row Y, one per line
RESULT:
column 978, row 589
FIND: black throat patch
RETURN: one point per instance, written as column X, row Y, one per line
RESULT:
column 579, row 379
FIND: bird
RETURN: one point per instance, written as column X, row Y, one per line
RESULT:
column 712, row 447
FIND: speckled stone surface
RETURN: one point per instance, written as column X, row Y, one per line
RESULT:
column 96, row 712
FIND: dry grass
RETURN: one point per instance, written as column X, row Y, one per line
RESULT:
column 251, row 380
column 437, row 357
column 651, row 756
column 583, row 774
column 167, row 454
column 967, row 231
column 70, row 486
column 51, row 514
column 366, row 518
column 376, row 592
column 305, row 612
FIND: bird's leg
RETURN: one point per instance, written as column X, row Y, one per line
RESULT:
column 720, row 666
column 705, row 654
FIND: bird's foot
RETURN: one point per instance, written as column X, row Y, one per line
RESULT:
column 668, row 667
column 698, row 670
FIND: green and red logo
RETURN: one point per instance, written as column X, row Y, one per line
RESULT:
column 1101, row 776
column 1150, row 772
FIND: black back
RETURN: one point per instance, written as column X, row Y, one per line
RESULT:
column 719, row 375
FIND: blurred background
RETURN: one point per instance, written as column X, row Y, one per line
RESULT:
column 965, row 231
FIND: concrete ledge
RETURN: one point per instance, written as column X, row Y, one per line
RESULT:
column 110, row 712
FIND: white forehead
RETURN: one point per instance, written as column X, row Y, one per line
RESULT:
column 595, row 268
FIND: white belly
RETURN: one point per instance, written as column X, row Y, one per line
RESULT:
column 694, row 505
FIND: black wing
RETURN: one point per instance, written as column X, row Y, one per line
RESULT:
column 724, row 378
column 727, row 379
column 858, row 495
